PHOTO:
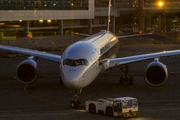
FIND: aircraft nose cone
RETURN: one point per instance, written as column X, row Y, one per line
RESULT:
column 71, row 82
column 72, row 78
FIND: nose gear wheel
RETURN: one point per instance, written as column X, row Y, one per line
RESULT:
column 75, row 103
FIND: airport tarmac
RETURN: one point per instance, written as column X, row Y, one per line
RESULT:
column 47, row 99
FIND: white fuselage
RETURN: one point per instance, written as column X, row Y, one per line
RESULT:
column 81, row 62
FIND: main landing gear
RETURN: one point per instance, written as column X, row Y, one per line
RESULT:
column 75, row 103
column 126, row 79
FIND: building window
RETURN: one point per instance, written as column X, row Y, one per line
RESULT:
column 44, row 4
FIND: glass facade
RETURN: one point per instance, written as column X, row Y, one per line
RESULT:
column 118, row 3
column 44, row 4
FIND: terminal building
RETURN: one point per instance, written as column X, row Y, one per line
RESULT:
column 58, row 17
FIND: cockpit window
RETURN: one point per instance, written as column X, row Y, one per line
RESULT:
column 75, row 62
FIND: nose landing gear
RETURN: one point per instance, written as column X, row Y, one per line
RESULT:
column 75, row 103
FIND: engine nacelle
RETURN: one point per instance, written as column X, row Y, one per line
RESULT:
column 27, row 71
column 156, row 73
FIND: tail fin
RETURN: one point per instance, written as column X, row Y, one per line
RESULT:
column 109, row 15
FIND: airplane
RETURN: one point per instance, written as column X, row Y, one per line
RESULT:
column 84, row 60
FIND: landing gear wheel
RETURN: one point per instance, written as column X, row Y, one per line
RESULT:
column 121, row 80
column 92, row 108
column 109, row 111
column 131, row 81
column 75, row 104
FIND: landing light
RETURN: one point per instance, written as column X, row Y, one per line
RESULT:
column 113, row 39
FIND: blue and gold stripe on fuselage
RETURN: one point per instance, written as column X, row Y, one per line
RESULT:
column 110, row 52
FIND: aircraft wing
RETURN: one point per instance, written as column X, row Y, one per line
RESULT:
column 126, row 36
column 44, row 55
column 127, row 60
column 81, row 34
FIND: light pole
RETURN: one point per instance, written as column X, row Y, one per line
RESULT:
column 175, row 30
column 162, row 19
column 160, row 4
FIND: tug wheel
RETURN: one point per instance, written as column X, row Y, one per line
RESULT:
column 109, row 111
column 92, row 108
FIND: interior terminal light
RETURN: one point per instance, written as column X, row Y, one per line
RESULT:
column 49, row 21
column 72, row 4
column 29, row 36
column 20, row 20
column 2, row 23
column 15, row 26
column 40, row 21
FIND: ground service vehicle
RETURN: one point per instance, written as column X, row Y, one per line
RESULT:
column 123, row 106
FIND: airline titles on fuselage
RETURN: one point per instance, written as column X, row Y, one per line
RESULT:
column 104, row 49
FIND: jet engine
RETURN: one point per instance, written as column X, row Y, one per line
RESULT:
column 27, row 70
column 156, row 73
